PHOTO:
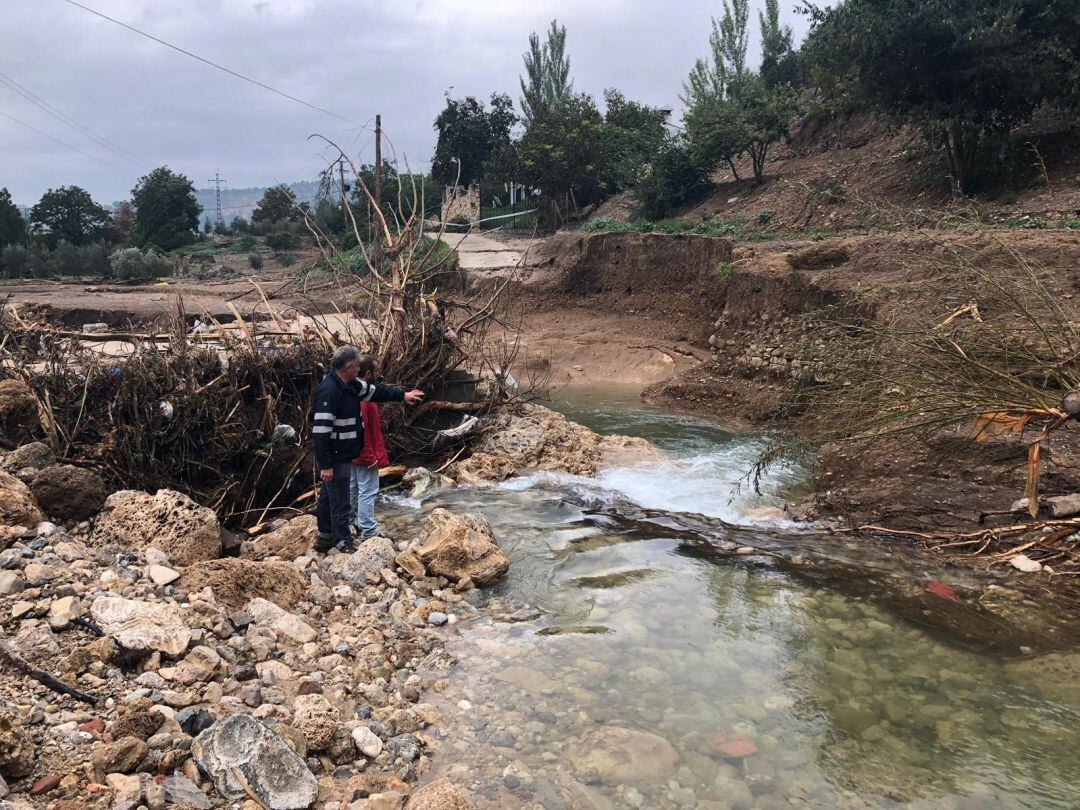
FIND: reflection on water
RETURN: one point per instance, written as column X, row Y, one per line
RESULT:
column 659, row 677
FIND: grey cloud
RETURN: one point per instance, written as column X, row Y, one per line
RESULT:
column 356, row 57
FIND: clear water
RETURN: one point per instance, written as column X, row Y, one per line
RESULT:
column 615, row 616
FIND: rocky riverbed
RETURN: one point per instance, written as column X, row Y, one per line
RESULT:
column 271, row 677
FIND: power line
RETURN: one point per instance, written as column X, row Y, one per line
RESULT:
column 15, row 87
column 214, row 64
column 65, row 145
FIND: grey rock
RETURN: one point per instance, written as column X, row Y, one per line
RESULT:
column 370, row 557
column 194, row 721
column 182, row 791
column 405, row 746
column 11, row 582
column 437, row 618
column 245, row 758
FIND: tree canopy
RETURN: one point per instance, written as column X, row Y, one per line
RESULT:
column 469, row 133
column 12, row 224
column 68, row 214
column 546, row 83
column 964, row 73
column 562, row 153
column 731, row 110
column 166, row 210
column 278, row 204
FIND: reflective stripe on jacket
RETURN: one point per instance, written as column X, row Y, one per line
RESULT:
column 336, row 426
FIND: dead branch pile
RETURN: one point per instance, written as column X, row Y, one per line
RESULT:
column 204, row 413
column 198, row 420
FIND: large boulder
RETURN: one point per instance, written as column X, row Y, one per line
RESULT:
column 316, row 718
column 460, row 546
column 442, row 794
column 370, row 557
column 142, row 625
column 619, row 755
column 17, row 504
column 290, row 541
column 169, row 521
column 19, row 415
column 236, row 582
column 69, row 493
column 245, row 759
column 34, row 456
column 535, row 438
column 17, row 756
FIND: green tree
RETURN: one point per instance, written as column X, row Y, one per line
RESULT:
column 68, row 214
column 166, row 210
column 546, row 83
column 709, row 79
column 561, row 153
column 12, row 224
column 674, row 179
column 468, row 134
column 633, row 134
column 766, row 114
column 121, row 224
column 278, row 204
column 778, row 61
column 732, row 111
column 964, row 73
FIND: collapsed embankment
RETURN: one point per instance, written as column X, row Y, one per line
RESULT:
column 751, row 307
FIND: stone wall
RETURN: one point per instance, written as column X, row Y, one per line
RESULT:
column 461, row 203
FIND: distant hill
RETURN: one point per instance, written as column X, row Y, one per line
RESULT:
column 242, row 201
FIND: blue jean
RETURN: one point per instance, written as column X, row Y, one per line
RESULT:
column 363, row 487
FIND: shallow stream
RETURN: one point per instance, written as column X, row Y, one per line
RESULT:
column 624, row 663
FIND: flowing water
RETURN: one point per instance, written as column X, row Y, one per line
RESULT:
column 625, row 663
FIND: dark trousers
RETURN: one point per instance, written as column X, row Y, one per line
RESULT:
column 333, row 512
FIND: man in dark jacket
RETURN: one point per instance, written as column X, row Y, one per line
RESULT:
column 339, row 438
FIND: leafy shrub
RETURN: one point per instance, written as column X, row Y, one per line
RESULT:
column 245, row 242
column 764, row 218
column 1071, row 224
column 1027, row 224
column 723, row 270
column 256, row 261
column 675, row 179
column 286, row 259
column 65, row 260
column 130, row 264
column 282, row 240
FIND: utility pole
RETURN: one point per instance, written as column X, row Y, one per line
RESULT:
column 378, row 160
column 217, row 181
column 343, row 189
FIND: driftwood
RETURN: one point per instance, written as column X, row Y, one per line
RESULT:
column 26, row 668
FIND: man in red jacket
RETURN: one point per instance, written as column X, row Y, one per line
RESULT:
column 364, row 485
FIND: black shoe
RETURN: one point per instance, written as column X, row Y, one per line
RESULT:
column 323, row 543
column 346, row 546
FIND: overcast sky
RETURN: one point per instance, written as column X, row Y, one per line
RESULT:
column 354, row 57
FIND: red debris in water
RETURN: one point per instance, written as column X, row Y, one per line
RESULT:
column 734, row 746
column 942, row 590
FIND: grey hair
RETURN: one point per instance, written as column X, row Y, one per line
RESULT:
column 343, row 356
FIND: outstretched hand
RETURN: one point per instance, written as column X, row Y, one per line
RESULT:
column 413, row 397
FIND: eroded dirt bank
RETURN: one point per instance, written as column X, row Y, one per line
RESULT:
column 745, row 307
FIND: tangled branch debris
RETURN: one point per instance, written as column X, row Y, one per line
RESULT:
column 203, row 411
